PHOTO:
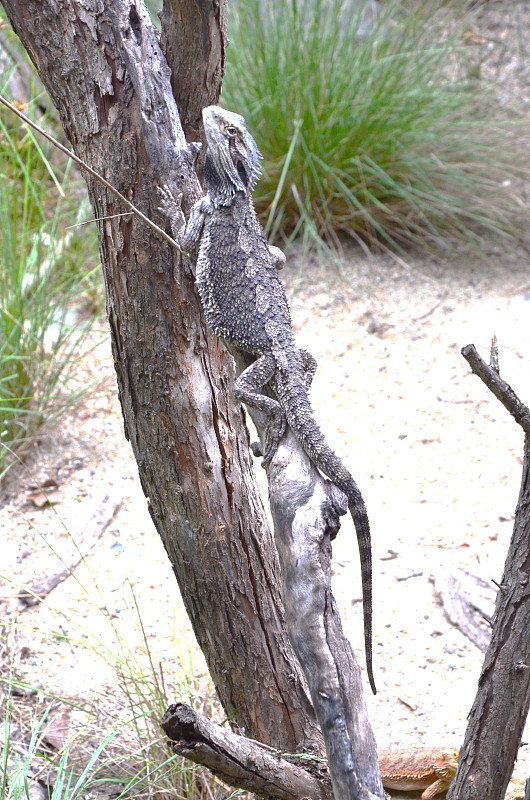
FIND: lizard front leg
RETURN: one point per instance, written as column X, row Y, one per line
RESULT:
column 436, row 788
column 278, row 257
column 186, row 235
column 247, row 388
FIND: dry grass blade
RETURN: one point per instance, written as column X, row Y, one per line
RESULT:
column 382, row 130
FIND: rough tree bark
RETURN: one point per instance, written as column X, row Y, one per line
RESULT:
column 194, row 42
column 498, row 715
column 103, row 66
column 239, row 761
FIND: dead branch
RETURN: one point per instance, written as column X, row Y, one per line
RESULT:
column 502, row 390
column 498, row 715
column 305, row 510
column 240, row 762
column 469, row 604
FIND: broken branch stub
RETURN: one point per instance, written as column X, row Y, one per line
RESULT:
column 240, row 762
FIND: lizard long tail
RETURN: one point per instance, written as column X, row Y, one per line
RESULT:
column 301, row 420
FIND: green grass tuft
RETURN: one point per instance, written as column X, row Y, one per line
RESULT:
column 113, row 742
column 387, row 136
column 47, row 284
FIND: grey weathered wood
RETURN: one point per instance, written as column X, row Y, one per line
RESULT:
column 502, row 390
column 241, row 762
column 102, row 64
column 469, row 603
column 498, row 715
column 305, row 509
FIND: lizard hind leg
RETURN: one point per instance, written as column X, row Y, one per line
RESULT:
column 436, row 788
column 247, row 390
column 310, row 366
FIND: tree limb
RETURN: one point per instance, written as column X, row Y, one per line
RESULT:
column 502, row 390
column 498, row 715
column 305, row 510
column 102, row 64
column 183, row 427
column 241, row 762
column 468, row 602
column 194, row 42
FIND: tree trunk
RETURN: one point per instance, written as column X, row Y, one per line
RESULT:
column 103, row 67
column 194, row 42
column 498, row 715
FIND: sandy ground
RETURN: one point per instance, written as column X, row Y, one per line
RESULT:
column 439, row 466
column 437, row 458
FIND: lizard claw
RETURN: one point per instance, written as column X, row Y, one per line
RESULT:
column 171, row 209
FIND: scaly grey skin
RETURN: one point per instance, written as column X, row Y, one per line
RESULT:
column 245, row 304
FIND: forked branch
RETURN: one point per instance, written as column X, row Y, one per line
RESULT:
column 502, row 390
column 498, row 715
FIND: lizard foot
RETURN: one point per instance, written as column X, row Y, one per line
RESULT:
column 256, row 449
column 170, row 208
column 273, row 435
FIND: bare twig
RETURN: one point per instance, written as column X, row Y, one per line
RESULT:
column 494, row 355
column 498, row 386
column 91, row 171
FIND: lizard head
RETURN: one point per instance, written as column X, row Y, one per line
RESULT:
column 232, row 156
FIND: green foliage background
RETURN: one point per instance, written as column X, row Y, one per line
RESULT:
column 381, row 129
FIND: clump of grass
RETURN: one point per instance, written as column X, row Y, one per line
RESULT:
column 26, row 769
column 113, row 743
column 46, row 280
column 112, row 738
column 383, row 131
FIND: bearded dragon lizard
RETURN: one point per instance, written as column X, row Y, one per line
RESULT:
column 414, row 769
column 429, row 770
column 245, row 304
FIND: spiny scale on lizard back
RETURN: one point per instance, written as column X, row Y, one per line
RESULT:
column 237, row 282
column 244, row 302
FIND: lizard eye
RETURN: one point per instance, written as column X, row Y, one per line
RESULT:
column 231, row 131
